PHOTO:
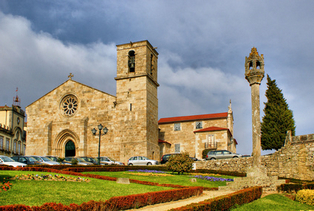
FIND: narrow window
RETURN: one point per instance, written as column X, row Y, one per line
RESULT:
column 199, row 125
column 14, row 147
column 131, row 61
column 130, row 106
column 177, row 148
column 151, row 64
column 1, row 142
column 19, row 148
column 177, row 126
column 7, row 147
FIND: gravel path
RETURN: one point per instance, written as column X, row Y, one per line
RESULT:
column 183, row 202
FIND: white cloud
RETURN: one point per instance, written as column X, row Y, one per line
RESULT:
column 34, row 60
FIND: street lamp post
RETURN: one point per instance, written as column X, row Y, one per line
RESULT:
column 105, row 130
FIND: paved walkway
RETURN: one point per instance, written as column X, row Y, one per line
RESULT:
column 183, row 202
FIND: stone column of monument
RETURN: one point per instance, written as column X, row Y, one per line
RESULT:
column 254, row 74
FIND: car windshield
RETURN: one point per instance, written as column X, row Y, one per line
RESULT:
column 37, row 159
column 144, row 158
column 88, row 159
column 31, row 159
column 80, row 160
column 111, row 159
column 46, row 159
column 53, row 158
column 7, row 159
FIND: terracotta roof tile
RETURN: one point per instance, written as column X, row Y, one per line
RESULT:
column 193, row 118
column 162, row 141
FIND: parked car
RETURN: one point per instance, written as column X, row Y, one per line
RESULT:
column 89, row 159
column 5, row 160
column 141, row 160
column 51, row 157
column 164, row 159
column 45, row 160
column 221, row 154
column 29, row 160
column 80, row 161
column 109, row 161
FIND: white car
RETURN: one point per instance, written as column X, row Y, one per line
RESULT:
column 109, row 161
column 45, row 160
column 141, row 161
column 4, row 160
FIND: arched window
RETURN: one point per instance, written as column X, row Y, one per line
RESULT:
column 131, row 61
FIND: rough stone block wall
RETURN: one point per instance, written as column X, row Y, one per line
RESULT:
column 294, row 160
column 186, row 137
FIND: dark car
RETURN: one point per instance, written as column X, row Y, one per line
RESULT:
column 29, row 160
column 165, row 157
column 221, row 154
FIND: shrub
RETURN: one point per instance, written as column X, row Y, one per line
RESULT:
column 305, row 196
column 60, row 160
column 74, row 162
column 180, row 163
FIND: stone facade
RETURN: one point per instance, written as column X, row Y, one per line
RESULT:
column 60, row 122
column 294, row 160
column 193, row 134
column 12, row 134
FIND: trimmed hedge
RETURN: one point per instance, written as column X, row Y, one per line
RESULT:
column 229, row 173
column 292, row 187
column 225, row 202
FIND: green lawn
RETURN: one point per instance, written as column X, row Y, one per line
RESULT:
column 168, row 178
column 274, row 202
column 34, row 192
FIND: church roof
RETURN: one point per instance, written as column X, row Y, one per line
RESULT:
column 193, row 118
column 70, row 80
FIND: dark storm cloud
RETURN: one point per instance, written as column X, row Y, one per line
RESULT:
column 202, row 47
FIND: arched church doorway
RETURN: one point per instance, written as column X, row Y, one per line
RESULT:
column 69, row 149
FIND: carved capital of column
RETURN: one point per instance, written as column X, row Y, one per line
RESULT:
column 254, row 77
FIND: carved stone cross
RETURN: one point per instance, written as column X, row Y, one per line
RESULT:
column 70, row 76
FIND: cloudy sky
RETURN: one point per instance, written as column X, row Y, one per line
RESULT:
column 202, row 46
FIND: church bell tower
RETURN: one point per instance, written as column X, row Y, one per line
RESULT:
column 136, row 121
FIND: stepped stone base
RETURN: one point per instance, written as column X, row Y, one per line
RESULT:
column 255, row 177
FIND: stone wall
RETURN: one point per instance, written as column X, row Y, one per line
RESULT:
column 294, row 160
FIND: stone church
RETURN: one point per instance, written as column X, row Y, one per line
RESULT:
column 60, row 122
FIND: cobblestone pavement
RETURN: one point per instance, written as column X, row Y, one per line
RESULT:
column 183, row 202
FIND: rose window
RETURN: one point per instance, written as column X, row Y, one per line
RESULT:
column 69, row 105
